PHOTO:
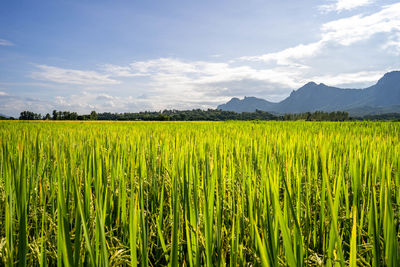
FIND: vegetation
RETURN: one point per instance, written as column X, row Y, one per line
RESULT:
column 205, row 115
column 199, row 193
column 3, row 118
column 29, row 115
column 63, row 115
column 187, row 115
column 318, row 116
column 383, row 117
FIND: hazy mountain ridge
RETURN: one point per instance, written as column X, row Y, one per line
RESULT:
column 383, row 97
column 4, row 116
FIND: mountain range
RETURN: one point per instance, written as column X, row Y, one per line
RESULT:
column 383, row 97
column 4, row 116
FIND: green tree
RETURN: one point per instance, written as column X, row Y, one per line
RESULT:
column 55, row 115
column 47, row 117
column 93, row 116
column 29, row 115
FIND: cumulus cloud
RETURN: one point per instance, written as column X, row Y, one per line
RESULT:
column 3, row 93
column 172, row 83
column 4, row 42
column 175, row 78
column 349, row 30
column 12, row 105
column 167, row 71
column 167, row 83
column 86, row 101
column 169, row 65
column 343, row 5
column 289, row 55
column 345, row 32
column 393, row 44
column 178, row 84
column 101, row 102
column 70, row 76
column 119, row 71
column 343, row 79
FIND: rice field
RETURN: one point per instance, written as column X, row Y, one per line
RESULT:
column 199, row 194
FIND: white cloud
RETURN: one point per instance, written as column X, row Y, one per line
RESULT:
column 393, row 44
column 70, row 76
column 168, row 83
column 119, row 71
column 349, row 30
column 86, row 101
column 4, row 42
column 12, row 105
column 179, row 90
column 169, row 76
column 101, row 102
column 169, row 65
column 342, row 5
column 202, row 73
column 346, row 31
column 198, row 84
column 342, row 79
column 3, row 93
column 174, row 83
column 287, row 56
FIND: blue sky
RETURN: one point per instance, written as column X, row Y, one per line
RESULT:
column 122, row 56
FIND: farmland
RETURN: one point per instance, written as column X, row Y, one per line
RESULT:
column 199, row 193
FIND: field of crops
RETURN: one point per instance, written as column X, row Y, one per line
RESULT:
column 193, row 194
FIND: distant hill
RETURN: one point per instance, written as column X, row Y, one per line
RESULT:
column 383, row 97
column 248, row 104
column 4, row 116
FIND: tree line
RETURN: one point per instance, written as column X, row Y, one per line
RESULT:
column 203, row 115
column 318, row 116
column 57, row 116
column 187, row 115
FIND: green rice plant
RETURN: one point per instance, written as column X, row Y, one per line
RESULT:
column 199, row 193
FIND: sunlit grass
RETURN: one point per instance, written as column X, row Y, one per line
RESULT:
column 192, row 194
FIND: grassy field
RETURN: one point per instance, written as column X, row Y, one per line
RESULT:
column 191, row 194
